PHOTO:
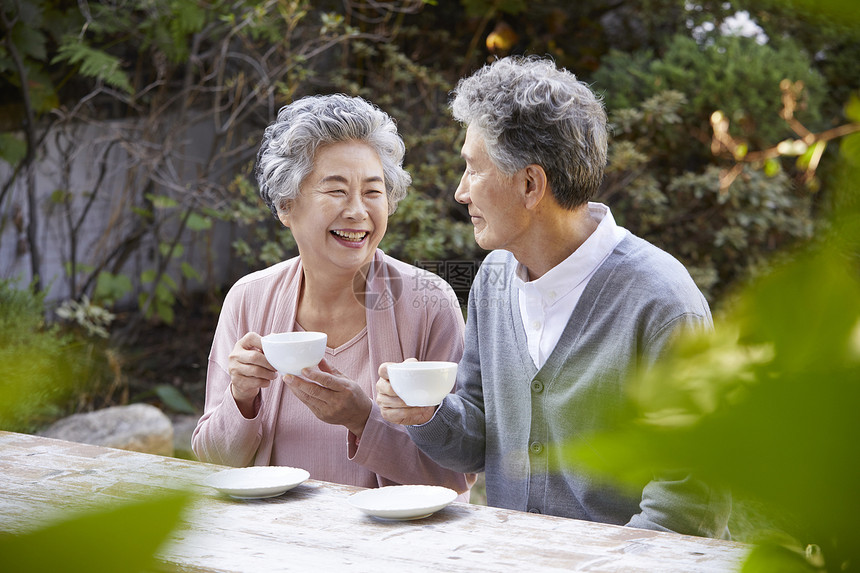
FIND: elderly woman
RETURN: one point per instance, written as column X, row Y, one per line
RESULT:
column 330, row 169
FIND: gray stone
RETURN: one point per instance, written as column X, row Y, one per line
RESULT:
column 183, row 427
column 138, row 427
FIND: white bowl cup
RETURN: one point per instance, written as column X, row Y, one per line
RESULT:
column 289, row 352
column 422, row 383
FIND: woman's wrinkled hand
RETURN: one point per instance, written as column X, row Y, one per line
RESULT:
column 249, row 371
column 393, row 408
column 332, row 397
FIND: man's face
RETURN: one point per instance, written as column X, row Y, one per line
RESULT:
column 494, row 199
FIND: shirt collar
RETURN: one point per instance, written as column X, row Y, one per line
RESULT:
column 579, row 265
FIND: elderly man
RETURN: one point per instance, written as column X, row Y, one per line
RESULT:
column 566, row 307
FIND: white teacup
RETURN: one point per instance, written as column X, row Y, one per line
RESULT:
column 289, row 352
column 422, row 383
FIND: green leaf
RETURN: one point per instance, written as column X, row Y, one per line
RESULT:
column 79, row 268
column 59, row 196
column 93, row 63
column 43, row 96
column 185, row 18
column 168, row 250
column 171, row 397
column 198, row 223
column 165, row 312
column 12, row 148
column 852, row 108
column 771, row 557
column 30, row 41
column 168, row 284
column 842, row 11
column 124, row 538
column 162, row 201
column 771, row 167
column 804, row 160
column 189, row 271
column 850, row 149
column 110, row 287
column 144, row 213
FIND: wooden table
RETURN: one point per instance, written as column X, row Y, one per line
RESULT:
column 313, row 528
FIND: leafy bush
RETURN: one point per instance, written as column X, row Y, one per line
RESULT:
column 721, row 235
column 44, row 371
column 733, row 74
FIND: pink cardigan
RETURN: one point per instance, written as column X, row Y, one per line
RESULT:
column 411, row 313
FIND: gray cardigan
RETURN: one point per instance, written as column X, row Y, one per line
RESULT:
column 509, row 419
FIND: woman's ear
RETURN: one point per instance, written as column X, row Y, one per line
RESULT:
column 536, row 185
column 284, row 214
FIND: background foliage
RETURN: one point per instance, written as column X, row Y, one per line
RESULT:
column 148, row 73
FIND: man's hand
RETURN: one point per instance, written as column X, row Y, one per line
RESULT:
column 393, row 408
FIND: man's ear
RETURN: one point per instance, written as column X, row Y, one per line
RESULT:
column 536, row 185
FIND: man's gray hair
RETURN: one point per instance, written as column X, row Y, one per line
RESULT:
column 530, row 112
column 286, row 155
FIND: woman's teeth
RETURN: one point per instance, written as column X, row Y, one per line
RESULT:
column 350, row 235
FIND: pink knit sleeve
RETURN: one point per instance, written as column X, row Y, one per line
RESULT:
column 223, row 435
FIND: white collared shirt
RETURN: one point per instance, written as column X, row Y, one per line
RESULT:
column 547, row 303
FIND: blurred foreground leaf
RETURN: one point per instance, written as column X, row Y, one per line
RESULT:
column 767, row 405
column 123, row 538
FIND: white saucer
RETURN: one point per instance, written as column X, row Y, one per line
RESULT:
column 402, row 502
column 257, row 482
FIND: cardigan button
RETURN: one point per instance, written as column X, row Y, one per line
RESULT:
column 537, row 386
column 536, row 447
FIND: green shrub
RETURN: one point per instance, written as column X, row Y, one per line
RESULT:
column 662, row 190
column 45, row 372
column 735, row 75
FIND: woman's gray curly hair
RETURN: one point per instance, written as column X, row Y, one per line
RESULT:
column 286, row 155
column 530, row 112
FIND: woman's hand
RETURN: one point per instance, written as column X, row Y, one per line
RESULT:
column 249, row 371
column 393, row 408
column 332, row 397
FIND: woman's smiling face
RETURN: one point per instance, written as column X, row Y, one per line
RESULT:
column 341, row 213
